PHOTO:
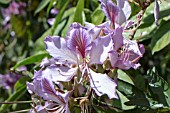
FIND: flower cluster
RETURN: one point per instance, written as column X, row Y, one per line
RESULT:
column 8, row 80
column 14, row 8
column 82, row 64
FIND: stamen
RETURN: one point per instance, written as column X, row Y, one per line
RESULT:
column 134, row 60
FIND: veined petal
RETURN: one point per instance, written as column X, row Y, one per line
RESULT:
column 100, row 48
column 56, row 46
column 103, row 84
column 49, row 91
column 110, row 9
column 59, row 73
column 60, row 99
column 125, row 11
column 78, row 39
column 132, row 46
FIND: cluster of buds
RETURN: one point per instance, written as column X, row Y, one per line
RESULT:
column 82, row 64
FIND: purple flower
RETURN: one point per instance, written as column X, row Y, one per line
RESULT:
column 116, row 13
column 75, row 48
column 125, row 53
column 44, row 87
column 53, row 11
column 110, row 9
column 82, row 50
column 8, row 80
column 14, row 8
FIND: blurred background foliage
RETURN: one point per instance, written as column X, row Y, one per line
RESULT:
column 145, row 90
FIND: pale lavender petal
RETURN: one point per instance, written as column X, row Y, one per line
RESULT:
column 93, row 30
column 103, row 84
column 100, row 48
column 59, row 73
column 125, row 11
column 51, row 21
column 106, row 27
column 54, row 11
column 22, row 68
column 156, row 12
column 113, row 56
column 110, row 9
column 78, row 39
column 125, row 65
column 100, row 30
column 142, row 48
column 38, row 88
column 30, row 87
column 117, row 38
column 47, row 62
column 56, row 46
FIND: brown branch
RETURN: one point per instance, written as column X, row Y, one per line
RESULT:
column 140, row 16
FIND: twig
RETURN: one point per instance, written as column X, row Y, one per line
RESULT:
column 20, row 111
column 140, row 16
column 16, row 102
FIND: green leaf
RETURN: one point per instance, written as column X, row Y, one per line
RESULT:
column 59, row 16
column 41, row 6
column 21, row 82
column 39, row 44
column 160, row 35
column 5, row 1
column 123, row 76
column 123, row 99
column 125, row 87
column 32, row 59
column 162, row 42
column 78, row 17
column 14, row 97
column 138, row 102
column 97, row 16
column 50, row 6
column 70, row 13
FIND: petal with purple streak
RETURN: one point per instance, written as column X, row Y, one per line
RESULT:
column 110, row 9
column 78, row 39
